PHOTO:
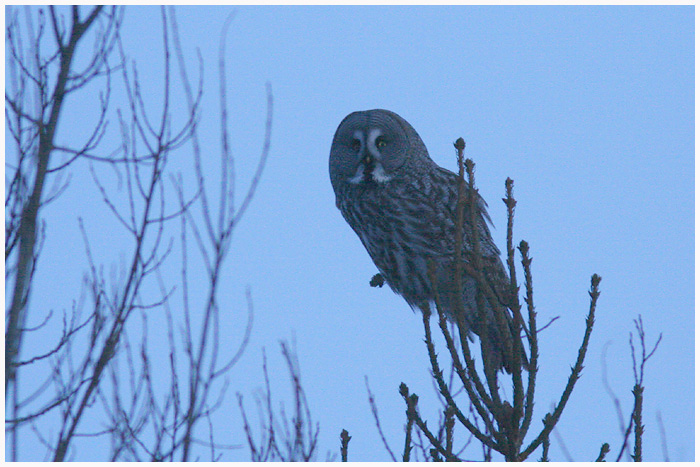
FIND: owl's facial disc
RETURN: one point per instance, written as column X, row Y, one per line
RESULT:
column 370, row 167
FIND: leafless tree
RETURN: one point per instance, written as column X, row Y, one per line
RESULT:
column 282, row 438
column 103, row 364
column 39, row 82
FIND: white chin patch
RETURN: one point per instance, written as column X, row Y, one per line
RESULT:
column 378, row 175
column 359, row 175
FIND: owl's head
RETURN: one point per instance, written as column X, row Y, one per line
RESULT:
column 375, row 146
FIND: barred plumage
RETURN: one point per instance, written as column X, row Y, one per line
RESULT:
column 402, row 206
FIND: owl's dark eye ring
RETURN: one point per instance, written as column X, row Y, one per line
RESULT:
column 380, row 142
column 355, row 145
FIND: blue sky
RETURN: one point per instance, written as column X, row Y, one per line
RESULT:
column 589, row 109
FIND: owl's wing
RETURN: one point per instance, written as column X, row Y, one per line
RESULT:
column 438, row 194
column 433, row 200
column 450, row 179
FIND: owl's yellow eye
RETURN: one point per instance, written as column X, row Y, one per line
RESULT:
column 356, row 144
column 380, row 142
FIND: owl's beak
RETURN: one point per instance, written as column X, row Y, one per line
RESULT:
column 368, row 159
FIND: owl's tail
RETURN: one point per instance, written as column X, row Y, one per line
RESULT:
column 495, row 351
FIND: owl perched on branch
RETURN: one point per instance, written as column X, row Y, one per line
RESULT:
column 403, row 207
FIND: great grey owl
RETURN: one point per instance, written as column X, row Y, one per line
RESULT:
column 402, row 206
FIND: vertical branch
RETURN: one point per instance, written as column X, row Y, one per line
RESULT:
column 515, row 428
column 545, row 450
column 456, row 295
column 449, row 428
column 27, row 231
column 604, row 450
column 490, row 366
column 407, row 440
column 552, row 418
column 637, row 392
column 344, row 442
column 532, row 334
column 226, row 198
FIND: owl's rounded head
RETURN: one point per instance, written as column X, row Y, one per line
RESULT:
column 375, row 146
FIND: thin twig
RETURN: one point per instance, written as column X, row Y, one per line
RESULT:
column 375, row 414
